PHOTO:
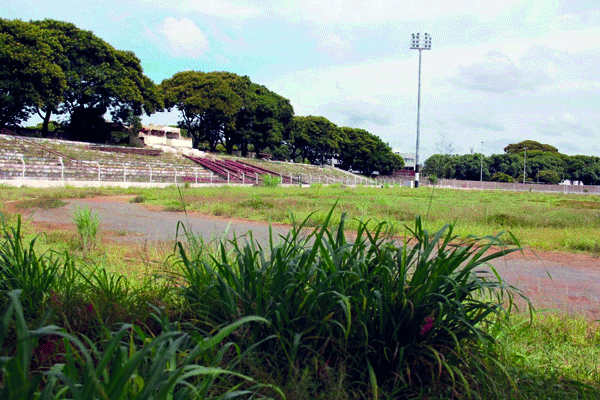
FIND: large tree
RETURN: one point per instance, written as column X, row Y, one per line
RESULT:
column 365, row 152
column 440, row 165
column 509, row 164
column 209, row 103
column 468, row 167
column 544, row 161
column 30, row 74
column 531, row 145
column 585, row 169
column 263, row 119
column 313, row 138
column 99, row 79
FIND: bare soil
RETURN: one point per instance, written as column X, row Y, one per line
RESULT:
column 554, row 281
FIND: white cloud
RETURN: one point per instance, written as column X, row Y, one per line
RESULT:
column 378, row 11
column 334, row 44
column 498, row 74
column 184, row 38
column 217, row 8
column 359, row 109
column 566, row 125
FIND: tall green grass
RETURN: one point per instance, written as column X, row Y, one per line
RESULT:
column 87, row 224
column 49, row 363
column 21, row 267
column 401, row 316
column 319, row 312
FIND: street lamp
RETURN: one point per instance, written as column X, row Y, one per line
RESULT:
column 481, row 170
column 419, row 43
column 524, row 163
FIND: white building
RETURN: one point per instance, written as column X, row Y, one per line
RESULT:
column 409, row 159
column 162, row 135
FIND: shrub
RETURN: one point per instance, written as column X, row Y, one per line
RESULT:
column 270, row 180
column 87, row 226
column 138, row 199
column 394, row 314
column 502, row 177
column 548, row 176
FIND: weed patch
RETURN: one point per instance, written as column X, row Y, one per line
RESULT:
column 87, row 224
column 45, row 203
column 256, row 204
column 138, row 199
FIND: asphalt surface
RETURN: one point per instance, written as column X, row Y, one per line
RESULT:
column 555, row 281
column 136, row 223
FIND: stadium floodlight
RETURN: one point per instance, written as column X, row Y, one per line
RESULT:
column 419, row 43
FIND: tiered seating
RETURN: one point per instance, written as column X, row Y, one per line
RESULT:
column 44, row 162
column 217, row 167
column 252, row 170
column 238, row 170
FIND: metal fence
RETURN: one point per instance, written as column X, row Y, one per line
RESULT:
column 517, row 187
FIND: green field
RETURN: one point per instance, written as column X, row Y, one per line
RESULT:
column 326, row 317
column 540, row 221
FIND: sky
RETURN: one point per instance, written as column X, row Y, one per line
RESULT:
column 498, row 72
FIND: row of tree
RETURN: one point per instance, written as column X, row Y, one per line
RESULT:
column 52, row 68
column 228, row 109
column 543, row 164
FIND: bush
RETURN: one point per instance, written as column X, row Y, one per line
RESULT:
column 270, row 180
column 394, row 315
column 502, row 177
column 548, row 176
column 87, row 226
column 138, row 199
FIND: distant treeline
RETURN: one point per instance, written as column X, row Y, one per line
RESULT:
column 541, row 163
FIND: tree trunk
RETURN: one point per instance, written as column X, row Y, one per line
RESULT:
column 195, row 139
column 46, row 123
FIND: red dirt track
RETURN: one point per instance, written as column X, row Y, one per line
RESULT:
column 554, row 281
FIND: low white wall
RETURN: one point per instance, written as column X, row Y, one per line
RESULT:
column 41, row 183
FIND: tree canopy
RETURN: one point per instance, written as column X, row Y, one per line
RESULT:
column 100, row 79
column 263, row 119
column 544, row 164
column 365, row 152
column 531, row 145
column 53, row 67
column 313, row 138
column 29, row 72
column 209, row 103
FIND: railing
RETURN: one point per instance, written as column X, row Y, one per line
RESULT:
column 20, row 170
column 517, row 187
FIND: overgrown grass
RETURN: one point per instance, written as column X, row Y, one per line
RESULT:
column 554, row 357
column 542, row 221
column 393, row 316
column 44, row 203
column 87, row 223
column 338, row 318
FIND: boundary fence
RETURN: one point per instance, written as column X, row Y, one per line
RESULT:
column 517, row 187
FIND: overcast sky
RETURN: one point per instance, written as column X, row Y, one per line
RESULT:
column 498, row 71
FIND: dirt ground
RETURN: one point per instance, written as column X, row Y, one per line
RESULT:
column 554, row 281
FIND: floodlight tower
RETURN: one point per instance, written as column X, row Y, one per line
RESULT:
column 419, row 43
column 524, row 163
